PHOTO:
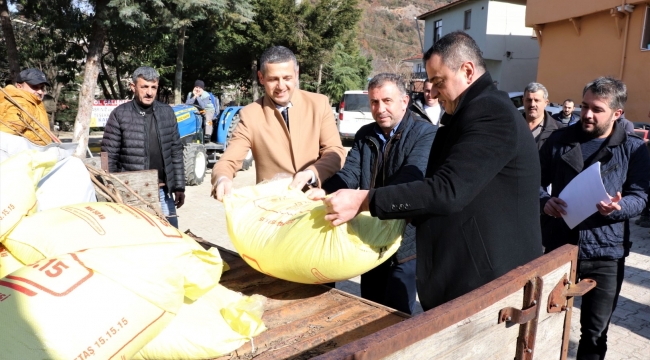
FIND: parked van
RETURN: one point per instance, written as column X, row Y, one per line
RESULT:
column 354, row 112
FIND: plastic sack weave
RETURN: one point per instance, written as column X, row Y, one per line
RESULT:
column 216, row 324
column 282, row 233
column 99, row 303
column 19, row 176
column 96, row 225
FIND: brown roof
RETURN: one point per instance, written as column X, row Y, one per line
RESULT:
column 440, row 7
column 414, row 57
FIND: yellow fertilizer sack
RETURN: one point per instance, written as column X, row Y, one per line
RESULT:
column 103, row 303
column 8, row 263
column 96, row 225
column 19, row 176
column 282, row 233
column 214, row 325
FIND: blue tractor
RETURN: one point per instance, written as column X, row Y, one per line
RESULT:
column 197, row 154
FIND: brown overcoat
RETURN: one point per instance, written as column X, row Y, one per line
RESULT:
column 313, row 141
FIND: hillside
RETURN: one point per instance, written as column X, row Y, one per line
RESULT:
column 387, row 31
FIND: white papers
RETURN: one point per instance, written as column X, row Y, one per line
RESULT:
column 582, row 194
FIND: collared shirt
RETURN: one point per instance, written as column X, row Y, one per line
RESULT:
column 433, row 113
column 384, row 140
column 538, row 129
column 281, row 109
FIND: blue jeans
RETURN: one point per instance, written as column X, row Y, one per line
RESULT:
column 391, row 284
column 598, row 304
column 168, row 207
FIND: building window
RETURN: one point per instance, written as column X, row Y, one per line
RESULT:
column 437, row 30
column 468, row 19
column 645, row 36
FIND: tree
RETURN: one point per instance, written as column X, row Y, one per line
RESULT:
column 10, row 40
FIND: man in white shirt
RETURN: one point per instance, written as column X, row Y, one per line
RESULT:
column 430, row 109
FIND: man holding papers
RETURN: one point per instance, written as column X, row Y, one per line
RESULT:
column 603, row 237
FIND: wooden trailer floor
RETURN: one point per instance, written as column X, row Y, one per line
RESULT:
column 303, row 321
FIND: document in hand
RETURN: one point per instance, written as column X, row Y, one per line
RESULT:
column 582, row 194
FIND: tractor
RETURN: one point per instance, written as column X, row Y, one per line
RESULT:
column 199, row 155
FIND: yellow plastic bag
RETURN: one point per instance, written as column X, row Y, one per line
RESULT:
column 214, row 325
column 95, row 304
column 19, row 176
column 282, row 233
column 8, row 263
column 95, row 225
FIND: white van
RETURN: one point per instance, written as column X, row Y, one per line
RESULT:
column 354, row 112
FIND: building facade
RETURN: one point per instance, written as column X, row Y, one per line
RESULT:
column 584, row 39
column 509, row 47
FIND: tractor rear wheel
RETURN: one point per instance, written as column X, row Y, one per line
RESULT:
column 195, row 161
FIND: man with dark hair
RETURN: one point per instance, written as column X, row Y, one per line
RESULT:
column 288, row 130
column 476, row 213
column 393, row 150
column 540, row 122
column 28, row 93
column 142, row 135
column 200, row 97
column 430, row 109
column 566, row 117
column 603, row 239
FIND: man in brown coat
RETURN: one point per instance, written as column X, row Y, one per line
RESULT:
column 288, row 130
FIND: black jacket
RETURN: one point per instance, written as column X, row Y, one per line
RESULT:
column 418, row 108
column 477, row 210
column 404, row 160
column 574, row 119
column 625, row 167
column 548, row 127
column 126, row 142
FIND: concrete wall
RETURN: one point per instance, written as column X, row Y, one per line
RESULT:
column 568, row 61
column 500, row 31
column 454, row 19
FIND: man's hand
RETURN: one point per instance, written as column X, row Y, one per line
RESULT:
column 606, row 209
column 223, row 187
column 555, row 207
column 301, row 179
column 316, row 194
column 343, row 205
column 179, row 198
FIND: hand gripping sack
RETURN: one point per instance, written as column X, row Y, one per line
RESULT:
column 282, row 233
column 19, row 176
column 103, row 303
column 95, row 225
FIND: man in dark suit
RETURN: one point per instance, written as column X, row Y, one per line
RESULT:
column 476, row 212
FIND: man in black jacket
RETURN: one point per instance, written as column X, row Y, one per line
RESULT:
column 603, row 238
column 429, row 109
column 540, row 122
column 393, row 150
column 143, row 134
column 476, row 212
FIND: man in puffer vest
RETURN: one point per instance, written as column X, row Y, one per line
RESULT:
column 143, row 135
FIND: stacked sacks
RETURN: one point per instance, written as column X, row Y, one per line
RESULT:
column 19, row 176
column 109, row 226
column 170, row 274
column 282, row 233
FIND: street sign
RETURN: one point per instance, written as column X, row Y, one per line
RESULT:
column 102, row 109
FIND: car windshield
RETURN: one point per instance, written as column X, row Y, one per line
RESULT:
column 518, row 101
column 357, row 102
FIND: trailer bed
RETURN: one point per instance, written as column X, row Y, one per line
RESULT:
column 303, row 321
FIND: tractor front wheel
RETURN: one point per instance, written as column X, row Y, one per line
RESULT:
column 195, row 163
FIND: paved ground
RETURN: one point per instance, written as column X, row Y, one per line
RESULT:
column 629, row 334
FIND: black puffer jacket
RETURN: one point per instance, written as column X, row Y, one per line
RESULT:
column 405, row 160
column 126, row 142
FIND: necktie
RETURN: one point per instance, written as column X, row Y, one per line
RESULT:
column 285, row 115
